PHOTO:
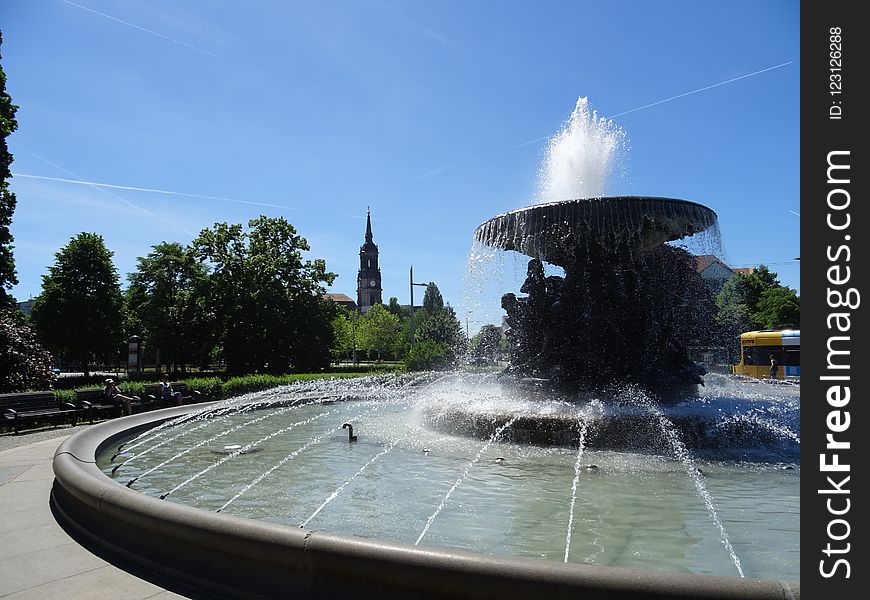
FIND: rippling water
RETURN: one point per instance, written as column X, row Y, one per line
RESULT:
column 293, row 464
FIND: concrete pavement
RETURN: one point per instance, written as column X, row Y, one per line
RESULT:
column 38, row 559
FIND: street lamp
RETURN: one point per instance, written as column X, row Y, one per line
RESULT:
column 411, row 280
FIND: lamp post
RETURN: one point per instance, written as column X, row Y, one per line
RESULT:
column 411, row 280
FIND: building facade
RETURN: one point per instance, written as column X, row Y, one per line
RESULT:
column 368, row 280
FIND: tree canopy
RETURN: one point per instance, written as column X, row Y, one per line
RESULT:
column 438, row 324
column 757, row 300
column 395, row 308
column 167, row 294
column 8, row 124
column 265, row 297
column 380, row 331
column 489, row 343
column 432, row 300
column 754, row 301
column 80, row 309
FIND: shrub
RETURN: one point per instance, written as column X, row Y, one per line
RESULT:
column 24, row 364
column 427, row 355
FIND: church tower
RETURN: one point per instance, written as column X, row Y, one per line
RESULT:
column 368, row 280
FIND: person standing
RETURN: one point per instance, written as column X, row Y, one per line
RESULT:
column 774, row 367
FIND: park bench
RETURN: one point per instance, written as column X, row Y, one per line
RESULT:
column 188, row 396
column 94, row 402
column 36, row 406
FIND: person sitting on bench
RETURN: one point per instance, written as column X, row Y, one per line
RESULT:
column 114, row 395
column 166, row 392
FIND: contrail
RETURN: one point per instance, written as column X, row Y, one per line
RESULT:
column 151, row 190
column 703, row 89
column 116, row 196
column 546, row 137
column 794, row 213
column 167, row 38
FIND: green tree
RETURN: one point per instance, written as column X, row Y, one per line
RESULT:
column 80, row 310
column 167, row 296
column 265, row 297
column 343, row 331
column 441, row 326
column 753, row 301
column 432, row 300
column 395, row 308
column 778, row 308
column 488, row 342
column 8, row 124
column 755, row 284
column 428, row 355
column 24, row 363
column 380, row 331
column 732, row 316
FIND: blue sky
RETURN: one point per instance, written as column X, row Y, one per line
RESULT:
column 424, row 111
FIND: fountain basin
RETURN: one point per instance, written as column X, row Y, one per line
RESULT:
column 551, row 232
column 235, row 557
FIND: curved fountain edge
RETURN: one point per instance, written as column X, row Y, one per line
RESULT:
column 233, row 557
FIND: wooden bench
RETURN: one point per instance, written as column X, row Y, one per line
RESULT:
column 95, row 403
column 188, row 396
column 36, row 406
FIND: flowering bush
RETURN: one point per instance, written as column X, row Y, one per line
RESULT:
column 24, row 364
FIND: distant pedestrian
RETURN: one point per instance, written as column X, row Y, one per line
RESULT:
column 774, row 367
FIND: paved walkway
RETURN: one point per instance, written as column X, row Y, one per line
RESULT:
column 38, row 560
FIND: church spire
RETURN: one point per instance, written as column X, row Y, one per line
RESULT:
column 369, row 225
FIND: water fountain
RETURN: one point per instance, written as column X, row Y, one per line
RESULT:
column 464, row 485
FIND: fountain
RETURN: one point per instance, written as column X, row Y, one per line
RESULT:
column 629, row 305
column 466, row 485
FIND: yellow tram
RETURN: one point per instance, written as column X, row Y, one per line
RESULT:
column 756, row 348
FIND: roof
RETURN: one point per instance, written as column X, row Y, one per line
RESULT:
column 340, row 298
column 705, row 261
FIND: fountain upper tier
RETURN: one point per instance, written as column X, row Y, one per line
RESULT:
column 554, row 231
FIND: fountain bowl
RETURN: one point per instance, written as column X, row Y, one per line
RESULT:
column 196, row 552
column 551, row 231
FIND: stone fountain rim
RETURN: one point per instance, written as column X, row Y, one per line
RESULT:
column 595, row 198
column 193, row 549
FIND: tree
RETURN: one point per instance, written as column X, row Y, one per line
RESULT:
column 266, row 299
column 778, row 308
column 167, row 295
column 24, row 364
column 343, row 331
column 380, row 331
column 443, row 328
column 80, row 309
column 755, row 284
column 754, row 301
column 428, row 355
column 732, row 316
column 488, row 342
column 395, row 308
column 432, row 300
column 8, row 124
